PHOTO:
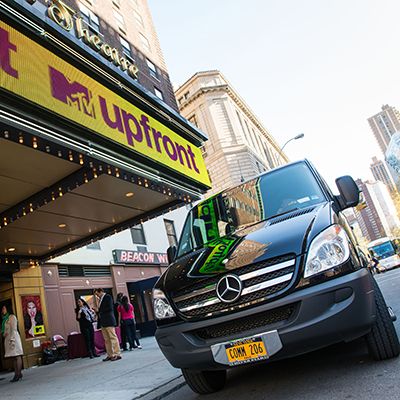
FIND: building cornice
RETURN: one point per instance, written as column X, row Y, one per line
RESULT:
column 239, row 102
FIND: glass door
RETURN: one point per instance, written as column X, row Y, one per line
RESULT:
column 140, row 296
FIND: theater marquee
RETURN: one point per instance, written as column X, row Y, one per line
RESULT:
column 29, row 70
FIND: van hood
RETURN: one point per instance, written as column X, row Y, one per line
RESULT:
column 282, row 235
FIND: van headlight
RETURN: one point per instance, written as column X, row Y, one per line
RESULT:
column 328, row 250
column 162, row 308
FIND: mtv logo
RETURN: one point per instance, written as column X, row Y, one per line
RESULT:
column 71, row 92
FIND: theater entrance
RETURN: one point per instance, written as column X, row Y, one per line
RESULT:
column 140, row 297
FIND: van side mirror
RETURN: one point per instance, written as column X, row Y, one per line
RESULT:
column 171, row 253
column 349, row 192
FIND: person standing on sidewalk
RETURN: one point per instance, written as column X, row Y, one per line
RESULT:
column 128, row 323
column 12, row 341
column 124, row 339
column 106, row 321
column 85, row 317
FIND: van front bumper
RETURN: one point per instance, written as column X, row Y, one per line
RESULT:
column 341, row 309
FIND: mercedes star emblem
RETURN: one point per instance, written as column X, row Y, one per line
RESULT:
column 229, row 288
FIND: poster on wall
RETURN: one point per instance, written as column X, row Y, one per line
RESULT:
column 33, row 317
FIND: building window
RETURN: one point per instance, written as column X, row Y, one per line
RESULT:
column 90, row 18
column 120, row 19
column 171, row 234
column 144, row 41
column 138, row 18
column 193, row 120
column 126, row 48
column 158, row 93
column 94, row 246
column 203, row 150
column 152, row 69
column 137, row 233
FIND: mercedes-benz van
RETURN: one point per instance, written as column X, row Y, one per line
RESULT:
column 267, row 270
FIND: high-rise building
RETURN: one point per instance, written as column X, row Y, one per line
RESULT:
column 384, row 125
column 239, row 146
column 379, row 218
column 351, row 217
column 380, row 173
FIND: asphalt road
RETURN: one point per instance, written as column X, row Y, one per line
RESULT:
column 343, row 371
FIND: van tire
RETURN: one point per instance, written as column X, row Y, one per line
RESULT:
column 383, row 342
column 205, row 382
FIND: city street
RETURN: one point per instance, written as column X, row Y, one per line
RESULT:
column 339, row 372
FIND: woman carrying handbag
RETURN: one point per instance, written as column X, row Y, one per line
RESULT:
column 12, row 341
column 86, row 316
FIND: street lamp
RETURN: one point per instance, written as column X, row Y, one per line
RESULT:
column 299, row 136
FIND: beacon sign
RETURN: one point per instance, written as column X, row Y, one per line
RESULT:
column 139, row 257
column 34, row 73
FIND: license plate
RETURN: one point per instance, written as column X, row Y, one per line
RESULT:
column 246, row 350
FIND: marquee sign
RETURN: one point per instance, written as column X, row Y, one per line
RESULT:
column 63, row 16
column 29, row 70
column 139, row 257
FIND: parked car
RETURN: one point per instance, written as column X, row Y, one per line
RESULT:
column 267, row 270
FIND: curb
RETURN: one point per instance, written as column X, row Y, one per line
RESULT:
column 163, row 391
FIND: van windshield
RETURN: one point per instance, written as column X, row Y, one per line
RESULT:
column 275, row 193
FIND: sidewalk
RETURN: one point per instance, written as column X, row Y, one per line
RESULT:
column 138, row 373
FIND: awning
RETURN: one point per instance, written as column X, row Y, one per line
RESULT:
column 53, row 199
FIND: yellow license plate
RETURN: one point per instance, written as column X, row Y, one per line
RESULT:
column 246, row 350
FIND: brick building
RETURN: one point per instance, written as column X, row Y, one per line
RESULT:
column 127, row 26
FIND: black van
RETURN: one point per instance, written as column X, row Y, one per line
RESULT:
column 267, row 270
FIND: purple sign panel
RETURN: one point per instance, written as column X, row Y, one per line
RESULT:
column 139, row 257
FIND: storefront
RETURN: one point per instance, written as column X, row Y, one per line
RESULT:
column 151, row 266
column 132, row 273
column 77, row 135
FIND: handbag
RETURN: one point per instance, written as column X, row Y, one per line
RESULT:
column 92, row 315
column 49, row 357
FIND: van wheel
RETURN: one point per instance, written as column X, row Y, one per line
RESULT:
column 205, row 382
column 383, row 342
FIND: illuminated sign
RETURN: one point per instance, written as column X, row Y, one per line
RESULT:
column 34, row 73
column 139, row 257
column 63, row 16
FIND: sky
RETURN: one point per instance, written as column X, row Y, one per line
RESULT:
column 318, row 67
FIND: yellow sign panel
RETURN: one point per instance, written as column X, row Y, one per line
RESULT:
column 31, row 71
column 39, row 330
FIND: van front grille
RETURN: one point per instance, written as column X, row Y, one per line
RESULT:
column 246, row 324
column 261, row 281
